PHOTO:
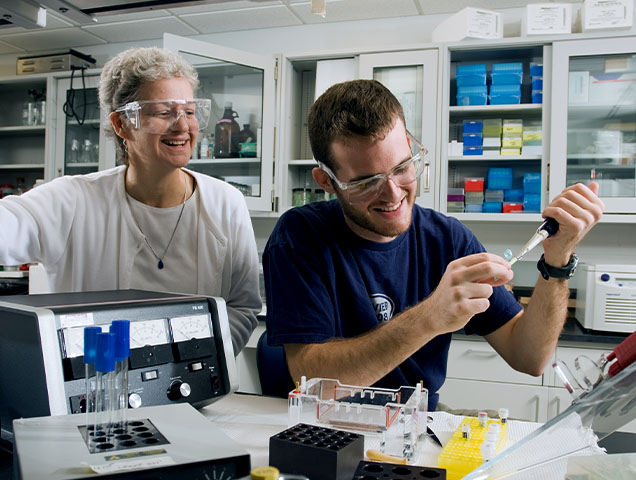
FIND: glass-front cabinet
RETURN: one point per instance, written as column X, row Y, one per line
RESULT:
column 81, row 146
column 238, row 144
column 494, row 137
column 594, row 119
column 412, row 78
column 23, row 132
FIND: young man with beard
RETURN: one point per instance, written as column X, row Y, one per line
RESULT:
column 368, row 288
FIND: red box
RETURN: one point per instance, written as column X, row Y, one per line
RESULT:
column 474, row 184
column 509, row 207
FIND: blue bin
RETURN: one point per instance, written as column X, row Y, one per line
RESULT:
column 505, row 94
column 473, row 140
column 476, row 150
column 499, row 178
column 475, row 95
column 492, row 207
column 513, row 195
column 473, row 126
column 507, row 73
column 471, row 75
column 537, row 83
column 536, row 70
column 537, row 96
column 531, row 183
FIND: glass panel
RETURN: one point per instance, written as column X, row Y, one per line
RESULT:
column 601, row 143
column 406, row 84
column 81, row 141
column 229, row 148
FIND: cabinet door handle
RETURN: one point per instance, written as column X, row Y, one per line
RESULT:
column 558, row 405
column 536, row 409
column 427, row 177
column 482, row 353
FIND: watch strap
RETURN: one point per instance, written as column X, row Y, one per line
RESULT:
column 548, row 271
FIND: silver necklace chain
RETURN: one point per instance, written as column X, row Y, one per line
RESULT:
column 160, row 264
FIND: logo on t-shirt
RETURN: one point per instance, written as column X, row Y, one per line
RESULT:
column 383, row 306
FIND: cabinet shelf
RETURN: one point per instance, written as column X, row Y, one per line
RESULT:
column 303, row 163
column 82, row 165
column 497, row 217
column 517, row 108
column 225, row 161
column 477, row 158
column 21, row 166
column 22, row 129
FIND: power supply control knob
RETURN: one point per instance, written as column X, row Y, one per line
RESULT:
column 134, row 400
column 179, row 390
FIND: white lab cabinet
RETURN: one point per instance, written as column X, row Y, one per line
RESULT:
column 245, row 81
column 81, row 145
column 23, row 131
column 461, row 159
column 410, row 75
column 593, row 111
column 412, row 78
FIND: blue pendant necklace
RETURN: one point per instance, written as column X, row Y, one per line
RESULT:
column 160, row 264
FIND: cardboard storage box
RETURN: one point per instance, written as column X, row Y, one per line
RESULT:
column 606, row 14
column 470, row 23
column 547, row 18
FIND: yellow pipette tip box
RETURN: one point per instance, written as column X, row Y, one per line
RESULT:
column 460, row 456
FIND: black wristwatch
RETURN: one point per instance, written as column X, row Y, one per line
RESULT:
column 548, row 271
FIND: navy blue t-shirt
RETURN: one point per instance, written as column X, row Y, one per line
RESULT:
column 324, row 281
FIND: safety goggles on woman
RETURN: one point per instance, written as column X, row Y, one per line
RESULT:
column 402, row 175
column 160, row 116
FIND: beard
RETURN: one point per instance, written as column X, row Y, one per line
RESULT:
column 362, row 219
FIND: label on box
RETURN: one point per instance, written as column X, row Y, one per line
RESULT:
column 607, row 13
column 484, row 24
column 545, row 18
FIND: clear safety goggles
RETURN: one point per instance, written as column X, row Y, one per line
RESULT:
column 403, row 174
column 161, row 116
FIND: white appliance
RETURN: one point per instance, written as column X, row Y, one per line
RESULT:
column 606, row 297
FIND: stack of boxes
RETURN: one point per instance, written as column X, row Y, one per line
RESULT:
column 512, row 137
column 474, row 196
column 492, row 135
column 536, row 75
column 505, row 88
column 532, row 192
column 532, row 139
column 471, row 84
column 472, row 137
column 455, row 200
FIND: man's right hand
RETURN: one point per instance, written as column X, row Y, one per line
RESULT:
column 464, row 290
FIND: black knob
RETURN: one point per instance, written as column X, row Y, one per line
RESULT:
column 179, row 390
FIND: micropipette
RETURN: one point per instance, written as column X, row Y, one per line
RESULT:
column 548, row 228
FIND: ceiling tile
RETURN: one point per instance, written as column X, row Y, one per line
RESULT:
column 342, row 11
column 244, row 19
column 125, row 17
column 228, row 5
column 140, row 29
column 58, row 39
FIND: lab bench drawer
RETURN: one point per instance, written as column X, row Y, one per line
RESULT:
column 477, row 360
column 524, row 402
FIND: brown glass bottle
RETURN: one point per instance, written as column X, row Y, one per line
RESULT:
column 227, row 134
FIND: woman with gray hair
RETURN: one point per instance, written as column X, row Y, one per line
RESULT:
column 149, row 223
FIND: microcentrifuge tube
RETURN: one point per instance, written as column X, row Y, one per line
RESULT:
column 503, row 414
column 90, row 348
column 507, row 254
column 121, row 329
column 466, row 431
column 483, row 419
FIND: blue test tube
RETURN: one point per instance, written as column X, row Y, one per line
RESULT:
column 121, row 329
column 90, row 350
column 104, row 389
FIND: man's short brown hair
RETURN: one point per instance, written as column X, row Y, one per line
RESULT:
column 358, row 108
